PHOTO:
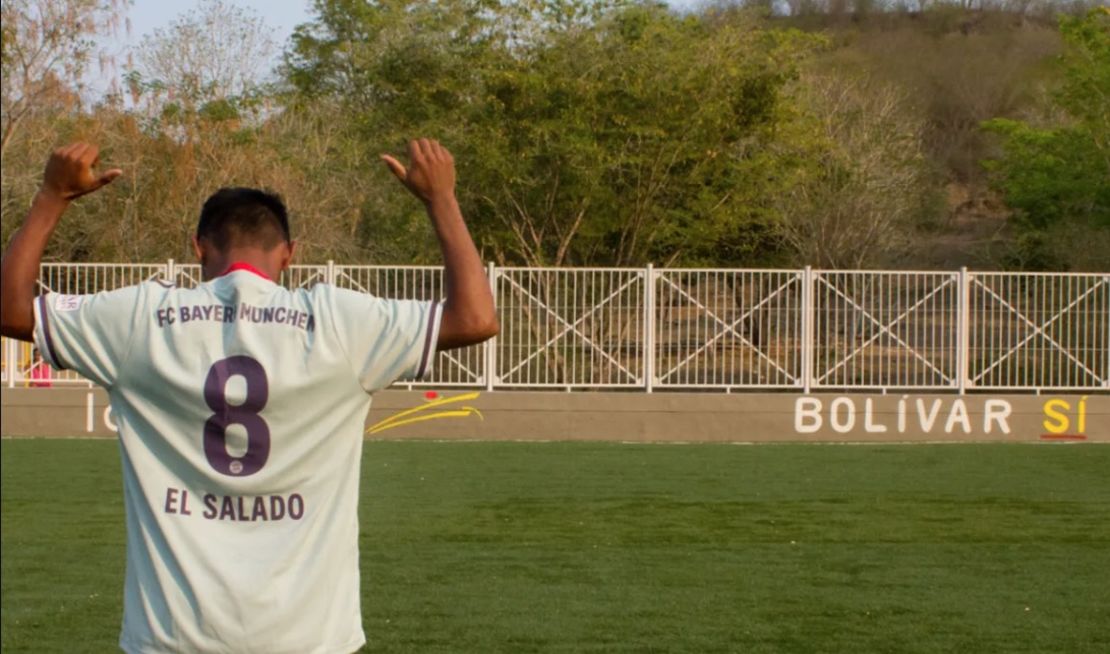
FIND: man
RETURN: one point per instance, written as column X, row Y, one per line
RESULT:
column 240, row 408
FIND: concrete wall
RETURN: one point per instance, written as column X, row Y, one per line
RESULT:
column 659, row 417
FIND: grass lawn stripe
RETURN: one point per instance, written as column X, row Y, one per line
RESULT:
column 596, row 547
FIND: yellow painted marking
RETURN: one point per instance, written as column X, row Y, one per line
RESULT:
column 400, row 418
column 458, row 413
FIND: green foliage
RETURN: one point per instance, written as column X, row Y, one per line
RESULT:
column 1057, row 178
column 1085, row 93
column 586, row 132
column 1051, row 175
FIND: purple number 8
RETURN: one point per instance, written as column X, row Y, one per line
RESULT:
column 245, row 414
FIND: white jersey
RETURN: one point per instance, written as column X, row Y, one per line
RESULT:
column 241, row 408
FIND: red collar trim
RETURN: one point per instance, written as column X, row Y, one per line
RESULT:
column 241, row 265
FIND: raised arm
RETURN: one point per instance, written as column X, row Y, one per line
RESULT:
column 69, row 175
column 468, row 314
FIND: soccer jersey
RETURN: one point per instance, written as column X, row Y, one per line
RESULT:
column 240, row 407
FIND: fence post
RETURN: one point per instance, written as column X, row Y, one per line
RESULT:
column 649, row 328
column 490, row 353
column 171, row 271
column 807, row 328
column 10, row 360
column 963, row 352
column 330, row 274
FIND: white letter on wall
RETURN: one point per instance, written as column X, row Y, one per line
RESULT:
column 807, row 415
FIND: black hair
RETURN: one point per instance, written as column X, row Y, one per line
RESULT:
column 240, row 216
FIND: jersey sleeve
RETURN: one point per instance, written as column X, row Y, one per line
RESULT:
column 386, row 340
column 89, row 334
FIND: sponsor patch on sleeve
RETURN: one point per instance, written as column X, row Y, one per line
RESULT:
column 67, row 302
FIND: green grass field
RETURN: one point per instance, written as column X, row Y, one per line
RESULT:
column 519, row 547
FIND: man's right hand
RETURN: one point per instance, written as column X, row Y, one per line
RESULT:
column 431, row 175
column 69, row 175
column 69, row 172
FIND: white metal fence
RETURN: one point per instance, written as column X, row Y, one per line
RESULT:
column 661, row 329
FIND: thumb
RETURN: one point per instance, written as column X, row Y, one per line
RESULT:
column 108, row 177
column 100, row 183
column 395, row 167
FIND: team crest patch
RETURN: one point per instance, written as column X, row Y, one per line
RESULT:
column 67, row 302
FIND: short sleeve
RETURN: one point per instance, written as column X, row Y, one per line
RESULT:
column 386, row 340
column 89, row 334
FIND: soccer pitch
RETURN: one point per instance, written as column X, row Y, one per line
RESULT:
column 537, row 547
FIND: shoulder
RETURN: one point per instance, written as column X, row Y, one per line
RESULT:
column 333, row 295
column 156, row 289
column 123, row 296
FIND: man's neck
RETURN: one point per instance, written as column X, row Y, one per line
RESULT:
column 249, row 259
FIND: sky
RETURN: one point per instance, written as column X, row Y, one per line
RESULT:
column 148, row 15
column 145, row 16
column 281, row 15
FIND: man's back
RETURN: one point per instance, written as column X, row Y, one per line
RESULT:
column 240, row 406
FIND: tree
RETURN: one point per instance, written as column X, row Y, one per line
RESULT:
column 1057, row 177
column 862, row 180
column 640, row 152
column 45, row 48
column 587, row 132
column 210, row 63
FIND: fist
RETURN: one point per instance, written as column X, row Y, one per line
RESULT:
column 431, row 174
column 69, row 172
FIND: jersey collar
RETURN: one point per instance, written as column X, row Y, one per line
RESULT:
column 242, row 265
